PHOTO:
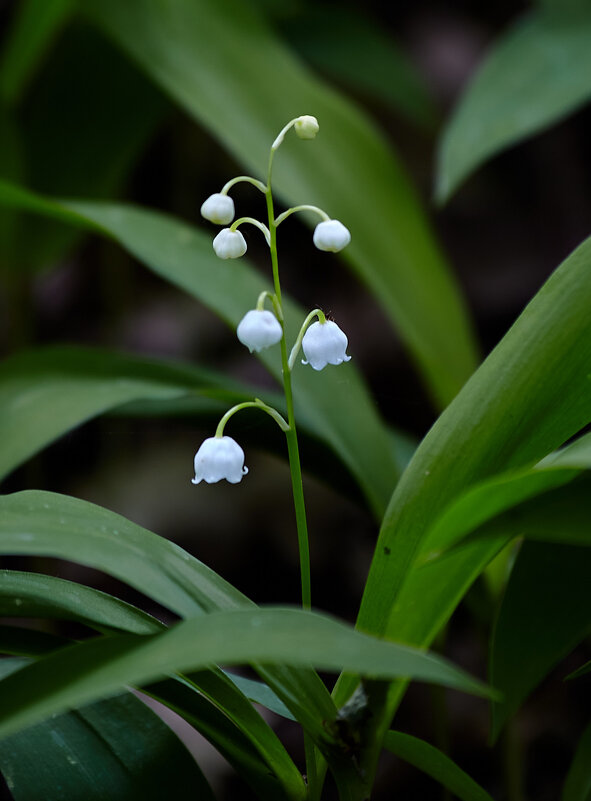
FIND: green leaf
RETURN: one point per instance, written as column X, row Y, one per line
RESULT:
column 259, row 693
column 183, row 255
column 244, row 89
column 84, row 672
column 578, row 781
column 434, row 763
column 107, row 113
column 267, row 769
column 117, row 749
column 28, row 642
column 80, row 383
column 350, row 47
column 44, row 523
column 35, row 26
column 234, row 726
column 37, row 595
column 545, row 613
column 537, row 74
column 514, row 493
column 530, row 395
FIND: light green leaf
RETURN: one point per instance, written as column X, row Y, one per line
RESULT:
column 36, row 24
column 578, row 782
column 482, row 502
column 545, row 613
column 116, row 749
column 435, row 763
column 220, row 62
column 530, row 395
column 182, row 255
column 87, row 671
column 538, row 72
column 47, row 392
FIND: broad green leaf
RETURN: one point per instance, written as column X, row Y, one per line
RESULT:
column 47, row 392
column 538, row 72
column 43, row 523
column 182, row 255
column 578, row 781
column 222, row 64
column 235, row 737
column 435, row 763
column 35, row 26
column 233, row 725
column 530, row 395
column 351, row 47
column 41, row 596
column 116, row 749
column 82, row 673
column 491, row 497
column 545, row 613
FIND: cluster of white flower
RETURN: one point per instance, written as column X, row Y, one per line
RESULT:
column 323, row 342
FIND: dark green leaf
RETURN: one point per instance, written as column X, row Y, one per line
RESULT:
column 350, row 47
column 434, row 763
column 545, row 613
column 116, row 749
column 37, row 595
column 44, row 523
column 244, row 89
column 578, row 782
column 538, row 72
column 82, row 673
column 35, row 26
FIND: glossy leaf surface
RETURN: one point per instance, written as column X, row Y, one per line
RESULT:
column 435, row 763
column 117, row 749
column 533, row 77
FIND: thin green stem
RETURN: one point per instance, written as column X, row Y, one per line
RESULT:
column 304, row 207
column 243, row 179
column 256, row 223
column 258, row 404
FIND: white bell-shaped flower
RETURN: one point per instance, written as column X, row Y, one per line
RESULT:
column 229, row 244
column 306, row 126
column 218, row 209
column 217, row 458
column 324, row 343
column 331, row 235
column 259, row 329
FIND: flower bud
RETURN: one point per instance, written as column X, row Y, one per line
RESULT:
column 331, row 235
column 324, row 343
column 229, row 244
column 306, row 127
column 259, row 329
column 217, row 458
column 218, row 209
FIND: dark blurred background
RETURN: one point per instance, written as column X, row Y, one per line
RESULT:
column 504, row 231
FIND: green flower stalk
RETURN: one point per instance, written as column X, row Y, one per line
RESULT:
column 323, row 342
